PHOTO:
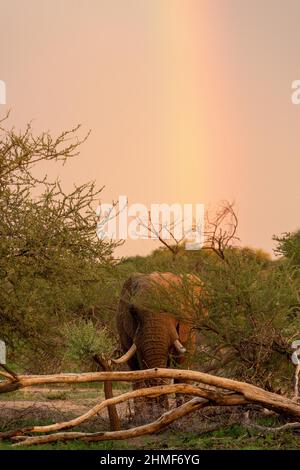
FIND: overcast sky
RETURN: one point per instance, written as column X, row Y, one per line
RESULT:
column 188, row 101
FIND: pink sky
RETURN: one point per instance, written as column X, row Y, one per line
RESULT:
column 188, row 101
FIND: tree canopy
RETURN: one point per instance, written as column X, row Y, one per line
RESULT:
column 51, row 261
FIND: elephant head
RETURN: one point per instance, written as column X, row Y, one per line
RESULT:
column 148, row 338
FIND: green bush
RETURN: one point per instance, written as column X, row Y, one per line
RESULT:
column 53, row 268
column 288, row 245
column 83, row 340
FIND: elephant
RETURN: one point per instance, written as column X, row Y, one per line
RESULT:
column 150, row 339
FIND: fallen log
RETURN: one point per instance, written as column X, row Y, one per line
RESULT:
column 250, row 392
column 166, row 419
column 212, row 396
column 108, row 393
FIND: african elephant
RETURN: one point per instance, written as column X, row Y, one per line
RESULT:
column 150, row 339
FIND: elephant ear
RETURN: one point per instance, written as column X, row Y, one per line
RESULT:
column 138, row 313
column 184, row 332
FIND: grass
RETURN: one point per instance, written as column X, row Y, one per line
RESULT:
column 60, row 395
column 235, row 437
column 69, row 392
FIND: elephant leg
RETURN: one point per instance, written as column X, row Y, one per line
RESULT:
column 158, row 404
column 142, row 405
column 182, row 398
column 145, row 408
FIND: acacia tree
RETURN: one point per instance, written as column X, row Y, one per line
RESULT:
column 51, row 261
column 288, row 245
column 245, row 310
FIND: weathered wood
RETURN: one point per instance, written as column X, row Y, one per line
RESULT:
column 166, row 419
column 275, row 430
column 10, row 374
column 252, row 393
column 108, row 392
column 214, row 397
column 6, row 375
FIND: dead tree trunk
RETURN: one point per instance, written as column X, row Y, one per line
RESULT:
column 108, row 392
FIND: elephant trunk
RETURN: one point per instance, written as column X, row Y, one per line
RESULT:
column 155, row 340
column 154, row 355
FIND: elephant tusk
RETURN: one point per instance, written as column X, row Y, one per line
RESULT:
column 179, row 347
column 131, row 352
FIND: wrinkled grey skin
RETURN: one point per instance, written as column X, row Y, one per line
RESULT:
column 153, row 332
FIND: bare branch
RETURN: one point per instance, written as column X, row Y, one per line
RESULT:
column 166, row 419
column 221, row 229
column 250, row 392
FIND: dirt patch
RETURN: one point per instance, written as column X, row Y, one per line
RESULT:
column 21, row 412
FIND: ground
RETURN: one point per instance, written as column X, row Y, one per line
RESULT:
column 208, row 429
